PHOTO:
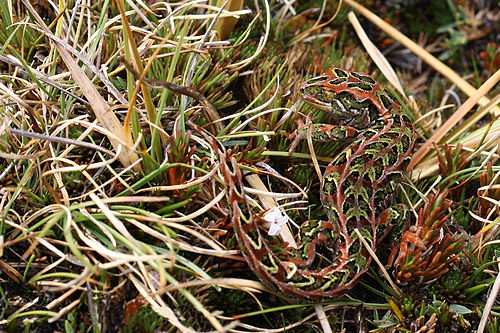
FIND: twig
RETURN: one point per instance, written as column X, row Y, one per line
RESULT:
column 211, row 113
column 57, row 139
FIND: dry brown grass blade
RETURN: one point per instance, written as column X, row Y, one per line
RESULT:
column 454, row 119
column 134, row 51
column 42, row 77
column 300, row 37
column 233, row 283
column 323, row 319
column 4, row 90
column 97, row 102
column 376, row 55
column 224, row 25
column 472, row 120
column 11, row 272
column 380, row 265
column 463, row 85
column 270, row 203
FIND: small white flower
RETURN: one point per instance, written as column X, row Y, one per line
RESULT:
column 276, row 219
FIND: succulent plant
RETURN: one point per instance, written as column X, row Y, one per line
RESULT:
column 426, row 250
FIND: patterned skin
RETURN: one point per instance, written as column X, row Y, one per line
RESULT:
column 356, row 190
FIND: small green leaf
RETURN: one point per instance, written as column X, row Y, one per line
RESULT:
column 68, row 327
column 459, row 309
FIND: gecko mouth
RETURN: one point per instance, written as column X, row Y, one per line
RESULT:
column 339, row 113
column 318, row 103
